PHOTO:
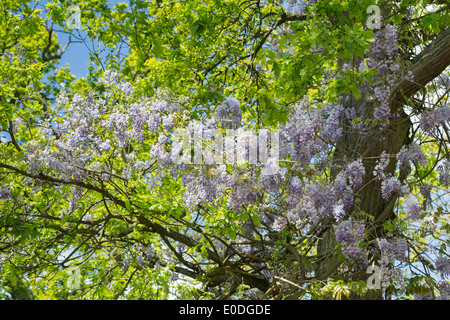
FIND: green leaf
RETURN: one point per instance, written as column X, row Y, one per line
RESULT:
column 127, row 204
column 276, row 68
column 5, row 114
column 157, row 48
column 356, row 120
column 355, row 91
column 231, row 232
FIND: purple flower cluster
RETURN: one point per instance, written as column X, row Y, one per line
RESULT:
column 444, row 290
column 443, row 266
column 382, row 93
column 229, row 114
column 386, row 43
column 139, row 116
column 382, row 164
column 319, row 200
column 383, row 112
column 296, row 7
column 349, row 234
column 244, row 193
column 339, row 212
column 77, row 193
column 444, row 173
column 296, row 141
column 395, row 249
column 355, row 172
column 411, row 153
column 431, row 119
column 331, row 130
column 443, row 80
column 109, row 78
column 167, row 122
column 127, row 88
column 279, row 224
column 343, row 190
column 154, row 122
column 160, row 153
column 428, row 296
column 390, row 186
column 5, row 193
column 296, row 185
column 71, row 149
column 425, row 191
column 104, row 146
column 412, row 207
column 62, row 98
column 350, row 231
column 399, row 279
column 118, row 122
column 199, row 188
column 381, row 57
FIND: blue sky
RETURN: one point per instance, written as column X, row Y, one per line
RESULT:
column 76, row 54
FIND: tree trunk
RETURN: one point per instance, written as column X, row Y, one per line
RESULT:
column 429, row 64
column 390, row 140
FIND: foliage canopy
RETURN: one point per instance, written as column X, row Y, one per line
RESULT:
column 87, row 171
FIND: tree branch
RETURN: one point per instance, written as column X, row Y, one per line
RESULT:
column 429, row 64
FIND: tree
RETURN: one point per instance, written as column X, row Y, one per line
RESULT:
column 339, row 110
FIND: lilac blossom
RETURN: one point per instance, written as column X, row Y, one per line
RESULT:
column 349, row 234
column 243, row 194
column 425, row 191
column 382, row 112
column 382, row 93
column 331, row 130
column 127, row 88
column 395, row 249
column 279, row 224
column 400, row 248
column 444, row 173
column 139, row 116
column 154, row 121
column 411, row 153
column 199, row 189
column 444, row 290
column 5, row 193
column 390, row 186
column 109, row 78
column 296, row 185
column 105, row 146
column 349, row 231
column 412, row 207
column 229, row 113
column 443, row 266
column 428, row 296
column 77, row 99
column 159, row 153
column 319, row 200
column 381, row 166
column 431, row 119
column 343, row 190
column 355, row 172
column 443, row 80
column 339, row 212
column 385, row 45
column 167, row 122
column 62, row 99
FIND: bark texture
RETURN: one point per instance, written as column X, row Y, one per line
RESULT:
column 429, row 64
